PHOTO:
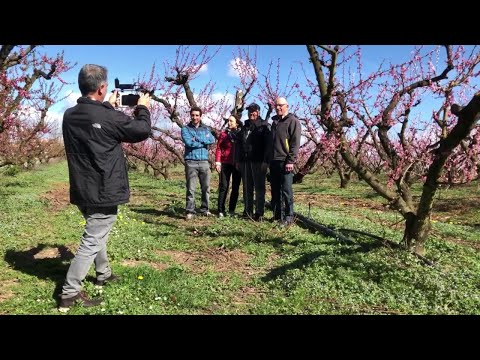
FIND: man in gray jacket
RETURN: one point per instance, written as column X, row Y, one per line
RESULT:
column 286, row 134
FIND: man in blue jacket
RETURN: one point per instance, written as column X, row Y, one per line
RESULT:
column 197, row 138
column 93, row 132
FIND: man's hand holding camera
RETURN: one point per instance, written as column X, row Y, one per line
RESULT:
column 114, row 99
column 144, row 99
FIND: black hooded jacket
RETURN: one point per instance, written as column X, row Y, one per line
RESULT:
column 253, row 141
column 93, row 133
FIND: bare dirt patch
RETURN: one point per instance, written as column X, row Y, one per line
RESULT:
column 48, row 253
column 443, row 210
column 319, row 200
column 472, row 244
column 245, row 295
column 134, row 263
column 44, row 252
column 5, row 291
column 58, row 197
column 218, row 260
column 459, row 210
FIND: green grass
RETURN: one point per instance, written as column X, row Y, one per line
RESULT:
column 233, row 266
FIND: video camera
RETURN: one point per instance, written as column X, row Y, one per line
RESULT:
column 131, row 99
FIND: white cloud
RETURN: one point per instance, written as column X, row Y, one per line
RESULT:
column 238, row 66
column 195, row 69
column 71, row 99
column 229, row 98
column 54, row 117
column 203, row 68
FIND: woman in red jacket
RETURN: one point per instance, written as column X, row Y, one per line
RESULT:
column 224, row 164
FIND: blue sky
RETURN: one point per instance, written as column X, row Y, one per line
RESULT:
column 127, row 62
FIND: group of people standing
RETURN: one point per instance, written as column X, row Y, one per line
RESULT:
column 93, row 133
column 244, row 154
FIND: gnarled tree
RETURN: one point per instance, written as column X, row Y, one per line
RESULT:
column 30, row 84
column 381, row 104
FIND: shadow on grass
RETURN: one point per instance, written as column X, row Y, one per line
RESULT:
column 174, row 212
column 301, row 262
column 307, row 259
column 364, row 243
column 43, row 261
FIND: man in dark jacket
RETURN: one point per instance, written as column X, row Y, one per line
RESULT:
column 286, row 134
column 251, row 156
column 93, row 132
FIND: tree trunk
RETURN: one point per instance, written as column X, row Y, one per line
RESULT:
column 416, row 233
column 312, row 160
column 344, row 178
column 298, row 178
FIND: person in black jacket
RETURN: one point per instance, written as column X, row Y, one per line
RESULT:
column 251, row 159
column 93, row 132
column 286, row 134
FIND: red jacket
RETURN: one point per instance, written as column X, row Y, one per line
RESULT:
column 225, row 148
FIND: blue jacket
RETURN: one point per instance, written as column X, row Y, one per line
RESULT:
column 196, row 142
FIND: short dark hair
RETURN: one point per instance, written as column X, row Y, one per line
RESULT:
column 196, row 108
column 90, row 78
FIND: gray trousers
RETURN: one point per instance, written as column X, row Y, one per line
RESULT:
column 93, row 248
column 197, row 170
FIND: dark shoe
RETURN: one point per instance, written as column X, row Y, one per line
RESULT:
column 111, row 278
column 247, row 216
column 81, row 298
column 287, row 222
column 283, row 224
column 258, row 218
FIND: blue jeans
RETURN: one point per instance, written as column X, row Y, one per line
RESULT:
column 93, row 248
column 282, row 192
column 197, row 170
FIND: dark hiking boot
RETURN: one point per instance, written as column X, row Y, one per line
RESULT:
column 110, row 279
column 247, row 216
column 81, row 298
column 287, row 222
column 258, row 218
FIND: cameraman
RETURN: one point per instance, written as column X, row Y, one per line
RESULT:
column 93, row 132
